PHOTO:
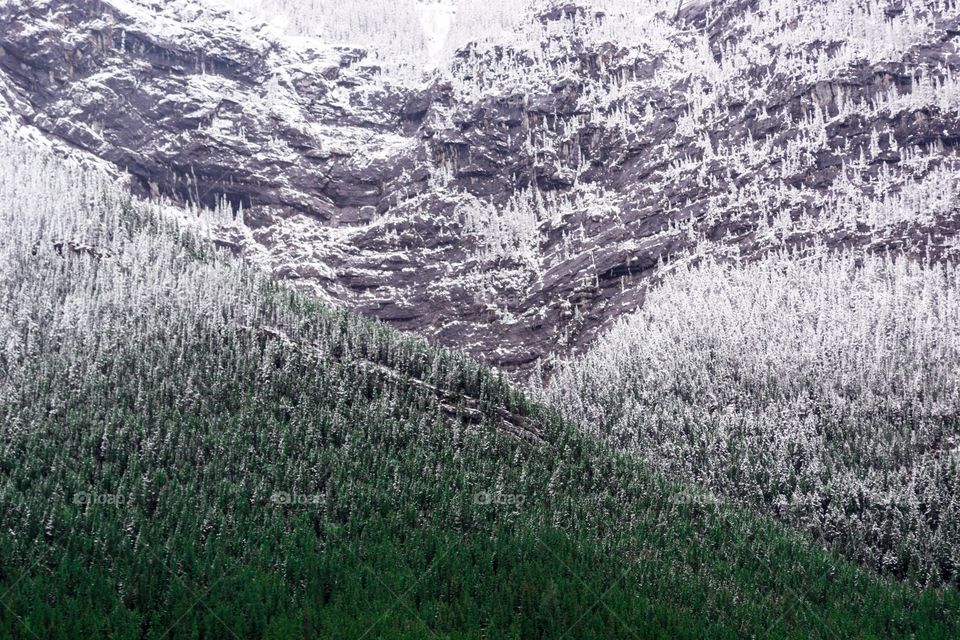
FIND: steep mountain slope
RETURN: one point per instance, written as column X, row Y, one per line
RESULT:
column 819, row 388
column 531, row 189
column 190, row 450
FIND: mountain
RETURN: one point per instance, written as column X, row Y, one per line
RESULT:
column 716, row 243
column 192, row 450
column 525, row 194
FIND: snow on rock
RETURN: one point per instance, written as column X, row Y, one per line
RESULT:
column 521, row 191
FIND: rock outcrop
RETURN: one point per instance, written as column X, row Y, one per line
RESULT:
column 521, row 198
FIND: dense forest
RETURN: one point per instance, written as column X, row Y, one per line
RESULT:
column 191, row 450
column 818, row 387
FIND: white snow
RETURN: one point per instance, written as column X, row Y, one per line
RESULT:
column 437, row 17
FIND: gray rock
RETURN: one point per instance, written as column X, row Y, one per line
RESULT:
column 358, row 189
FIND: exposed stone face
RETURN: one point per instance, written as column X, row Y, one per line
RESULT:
column 519, row 201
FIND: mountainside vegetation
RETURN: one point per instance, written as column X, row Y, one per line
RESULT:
column 819, row 387
column 191, row 450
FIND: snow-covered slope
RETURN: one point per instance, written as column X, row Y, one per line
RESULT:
column 821, row 389
column 525, row 193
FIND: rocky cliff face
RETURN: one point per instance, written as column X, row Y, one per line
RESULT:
column 526, row 194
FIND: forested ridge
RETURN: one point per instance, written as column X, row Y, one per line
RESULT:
column 191, row 450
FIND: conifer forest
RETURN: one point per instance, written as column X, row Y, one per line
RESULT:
column 518, row 319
